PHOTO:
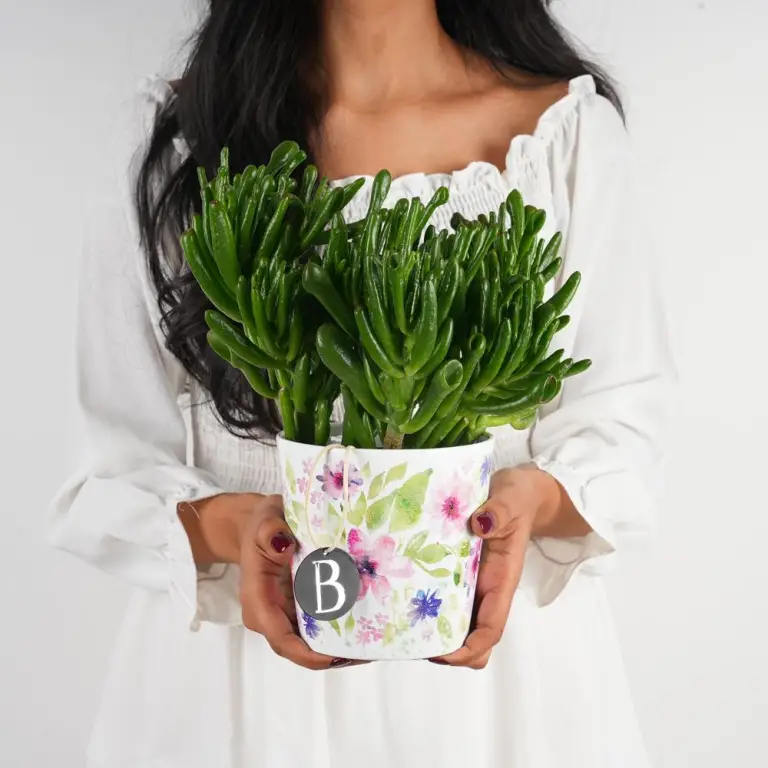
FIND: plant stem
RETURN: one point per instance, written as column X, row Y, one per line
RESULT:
column 305, row 425
column 392, row 438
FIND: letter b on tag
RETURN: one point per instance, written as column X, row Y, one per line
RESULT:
column 327, row 584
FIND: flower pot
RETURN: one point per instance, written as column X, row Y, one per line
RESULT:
column 406, row 530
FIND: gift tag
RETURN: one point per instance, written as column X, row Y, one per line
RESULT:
column 327, row 584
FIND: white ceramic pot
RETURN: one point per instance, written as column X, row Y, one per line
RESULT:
column 407, row 530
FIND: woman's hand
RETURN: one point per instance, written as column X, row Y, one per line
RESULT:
column 250, row 529
column 523, row 502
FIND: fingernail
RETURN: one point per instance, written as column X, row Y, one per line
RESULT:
column 437, row 661
column 280, row 542
column 485, row 521
column 339, row 663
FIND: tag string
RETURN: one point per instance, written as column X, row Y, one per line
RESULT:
column 321, row 456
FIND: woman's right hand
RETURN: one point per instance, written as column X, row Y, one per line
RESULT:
column 250, row 529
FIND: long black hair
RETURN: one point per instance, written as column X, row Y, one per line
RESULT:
column 244, row 87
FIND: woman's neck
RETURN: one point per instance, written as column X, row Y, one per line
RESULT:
column 378, row 52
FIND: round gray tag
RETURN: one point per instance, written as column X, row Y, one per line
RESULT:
column 327, row 584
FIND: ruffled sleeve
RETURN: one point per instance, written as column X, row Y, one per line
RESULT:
column 602, row 438
column 119, row 511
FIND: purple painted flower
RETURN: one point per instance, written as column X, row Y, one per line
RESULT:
column 333, row 480
column 426, row 605
column 311, row 627
column 485, row 470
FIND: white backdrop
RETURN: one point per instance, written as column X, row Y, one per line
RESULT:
column 692, row 615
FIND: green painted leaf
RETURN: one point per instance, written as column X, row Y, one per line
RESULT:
column 336, row 627
column 378, row 513
column 396, row 473
column 465, row 549
column 453, row 603
column 334, row 522
column 390, row 632
column 463, row 625
column 416, row 543
column 366, row 471
column 438, row 573
column 377, row 486
column 349, row 624
column 458, row 573
column 290, row 476
column 444, row 627
column 433, row 553
column 291, row 519
column 324, row 540
column 357, row 513
column 409, row 501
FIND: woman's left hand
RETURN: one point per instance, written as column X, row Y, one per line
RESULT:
column 519, row 499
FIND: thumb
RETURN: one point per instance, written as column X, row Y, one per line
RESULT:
column 271, row 534
column 492, row 520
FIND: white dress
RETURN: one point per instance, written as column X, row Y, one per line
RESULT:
column 190, row 688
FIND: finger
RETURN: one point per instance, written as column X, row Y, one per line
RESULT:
column 502, row 568
column 480, row 662
column 272, row 536
column 266, row 593
column 283, row 639
column 287, row 644
column 496, row 519
column 269, row 611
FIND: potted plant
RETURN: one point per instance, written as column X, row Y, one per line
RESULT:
column 430, row 338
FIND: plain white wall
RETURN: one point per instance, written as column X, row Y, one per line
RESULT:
column 692, row 615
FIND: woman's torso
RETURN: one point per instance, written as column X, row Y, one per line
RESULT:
column 554, row 693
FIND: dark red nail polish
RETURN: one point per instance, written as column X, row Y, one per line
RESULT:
column 339, row 663
column 437, row 661
column 280, row 542
column 485, row 521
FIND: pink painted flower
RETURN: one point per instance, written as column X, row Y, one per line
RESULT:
column 307, row 466
column 450, row 505
column 368, row 632
column 333, row 480
column 377, row 562
column 473, row 563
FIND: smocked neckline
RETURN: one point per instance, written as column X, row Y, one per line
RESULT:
column 521, row 146
column 524, row 147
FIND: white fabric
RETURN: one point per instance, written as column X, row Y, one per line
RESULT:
column 555, row 692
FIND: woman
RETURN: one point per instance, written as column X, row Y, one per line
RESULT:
column 482, row 97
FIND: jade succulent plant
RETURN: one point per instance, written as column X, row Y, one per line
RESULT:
column 430, row 337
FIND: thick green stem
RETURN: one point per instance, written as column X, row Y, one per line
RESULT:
column 392, row 438
column 305, row 426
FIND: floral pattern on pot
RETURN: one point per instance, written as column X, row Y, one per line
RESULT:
column 406, row 528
